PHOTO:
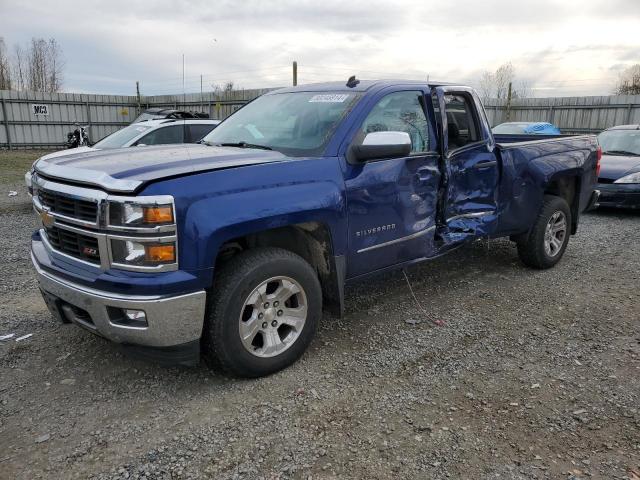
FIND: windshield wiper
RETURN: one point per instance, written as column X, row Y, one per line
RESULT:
column 621, row 152
column 244, row 145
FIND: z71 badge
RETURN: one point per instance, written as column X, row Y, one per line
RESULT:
column 370, row 231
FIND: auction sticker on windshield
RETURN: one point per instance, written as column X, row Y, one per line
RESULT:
column 329, row 98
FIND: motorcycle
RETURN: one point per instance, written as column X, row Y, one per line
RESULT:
column 78, row 138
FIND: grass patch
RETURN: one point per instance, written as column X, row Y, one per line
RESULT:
column 15, row 163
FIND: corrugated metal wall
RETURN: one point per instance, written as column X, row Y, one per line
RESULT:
column 570, row 114
column 108, row 113
column 103, row 113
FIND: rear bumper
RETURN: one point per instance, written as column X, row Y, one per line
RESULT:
column 171, row 321
column 593, row 201
column 621, row 195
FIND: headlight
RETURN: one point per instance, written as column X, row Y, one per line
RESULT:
column 140, row 214
column 631, row 178
column 139, row 253
column 132, row 220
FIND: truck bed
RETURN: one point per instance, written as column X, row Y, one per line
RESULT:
column 506, row 138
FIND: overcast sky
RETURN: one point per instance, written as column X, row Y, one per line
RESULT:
column 560, row 47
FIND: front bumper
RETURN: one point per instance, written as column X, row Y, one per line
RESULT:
column 620, row 195
column 172, row 320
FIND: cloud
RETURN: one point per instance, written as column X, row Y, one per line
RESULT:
column 118, row 42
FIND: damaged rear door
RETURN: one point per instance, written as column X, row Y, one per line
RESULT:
column 468, row 206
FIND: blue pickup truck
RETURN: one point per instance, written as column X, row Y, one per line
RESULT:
column 231, row 249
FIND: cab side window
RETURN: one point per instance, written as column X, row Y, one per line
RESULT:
column 400, row 112
column 462, row 124
column 163, row 136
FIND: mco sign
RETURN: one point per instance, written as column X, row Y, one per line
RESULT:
column 39, row 109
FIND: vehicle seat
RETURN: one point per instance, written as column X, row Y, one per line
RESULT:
column 453, row 135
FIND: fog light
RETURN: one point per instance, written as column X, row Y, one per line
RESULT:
column 128, row 317
column 136, row 316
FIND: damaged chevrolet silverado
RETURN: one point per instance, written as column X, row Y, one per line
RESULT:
column 231, row 249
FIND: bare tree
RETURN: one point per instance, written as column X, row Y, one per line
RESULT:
column 496, row 84
column 44, row 66
column 522, row 89
column 219, row 89
column 629, row 81
column 503, row 76
column 5, row 68
column 19, row 73
column 56, row 65
column 486, row 85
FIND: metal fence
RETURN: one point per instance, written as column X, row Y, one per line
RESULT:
column 42, row 120
column 570, row 114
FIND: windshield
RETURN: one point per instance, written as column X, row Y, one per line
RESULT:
column 620, row 142
column 295, row 124
column 120, row 138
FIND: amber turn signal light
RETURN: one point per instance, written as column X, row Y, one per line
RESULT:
column 158, row 214
column 160, row 253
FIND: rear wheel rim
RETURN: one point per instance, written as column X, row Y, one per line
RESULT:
column 273, row 316
column 555, row 233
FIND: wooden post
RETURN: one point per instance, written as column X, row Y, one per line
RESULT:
column 88, row 117
column 138, row 96
column 6, row 123
column 509, row 103
column 295, row 73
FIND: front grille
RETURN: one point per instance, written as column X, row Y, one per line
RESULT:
column 71, row 207
column 75, row 244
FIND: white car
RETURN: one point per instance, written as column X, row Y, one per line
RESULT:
column 150, row 132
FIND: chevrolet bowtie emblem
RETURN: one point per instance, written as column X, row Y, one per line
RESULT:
column 47, row 218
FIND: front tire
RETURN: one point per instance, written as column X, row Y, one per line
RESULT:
column 545, row 244
column 262, row 312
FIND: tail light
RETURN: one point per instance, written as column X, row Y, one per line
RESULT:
column 598, row 158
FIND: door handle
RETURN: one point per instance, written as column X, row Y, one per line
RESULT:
column 423, row 175
column 487, row 164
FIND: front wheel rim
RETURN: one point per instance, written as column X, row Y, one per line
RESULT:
column 555, row 233
column 273, row 316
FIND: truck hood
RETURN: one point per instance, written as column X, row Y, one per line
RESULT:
column 125, row 170
column 613, row 167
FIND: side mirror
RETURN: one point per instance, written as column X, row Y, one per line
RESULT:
column 379, row 145
column 141, row 144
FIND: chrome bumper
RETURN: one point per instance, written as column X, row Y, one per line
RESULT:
column 171, row 320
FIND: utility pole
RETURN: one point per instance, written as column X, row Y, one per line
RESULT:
column 201, row 99
column 138, row 96
column 184, row 93
column 295, row 73
column 509, row 103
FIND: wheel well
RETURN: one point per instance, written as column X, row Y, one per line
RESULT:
column 567, row 188
column 311, row 241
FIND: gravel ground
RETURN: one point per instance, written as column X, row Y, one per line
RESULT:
column 534, row 374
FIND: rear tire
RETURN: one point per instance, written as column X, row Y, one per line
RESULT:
column 545, row 244
column 262, row 312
